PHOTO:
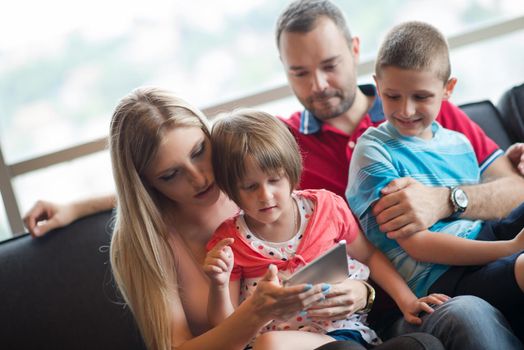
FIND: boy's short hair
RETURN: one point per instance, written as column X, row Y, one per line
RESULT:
column 250, row 133
column 415, row 45
column 301, row 16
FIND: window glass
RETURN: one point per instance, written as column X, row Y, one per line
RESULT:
column 84, row 177
column 64, row 64
column 5, row 231
column 486, row 70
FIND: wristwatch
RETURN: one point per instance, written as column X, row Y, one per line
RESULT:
column 459, row 201
column 371, row 298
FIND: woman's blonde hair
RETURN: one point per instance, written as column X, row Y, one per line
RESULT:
column 252, row 133
column 141, row 258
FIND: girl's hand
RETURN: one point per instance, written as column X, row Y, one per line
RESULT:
column 271, row 301
column 342, row 300
column 219, row 262
column 412, row 309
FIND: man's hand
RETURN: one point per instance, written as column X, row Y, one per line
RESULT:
column 516, row 156
column 407, row 207
column 46, row 216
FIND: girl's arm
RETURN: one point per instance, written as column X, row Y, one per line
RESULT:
column 269, row 301
column 218, row 266
column 383, row 272
column 442, row 248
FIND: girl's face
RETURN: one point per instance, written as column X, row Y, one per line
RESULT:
column 264, row 197
column 182, row 169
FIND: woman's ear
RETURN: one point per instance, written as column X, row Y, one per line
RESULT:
column 449, row 87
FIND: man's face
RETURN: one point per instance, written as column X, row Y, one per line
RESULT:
column 321, row 68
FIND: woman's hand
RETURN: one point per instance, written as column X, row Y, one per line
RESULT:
column 342, row 300
column 271, row 301
column 413, row 308
column 219, row 262
column 46, row 216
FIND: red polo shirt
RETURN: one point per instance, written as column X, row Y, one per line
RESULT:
column 327, row 151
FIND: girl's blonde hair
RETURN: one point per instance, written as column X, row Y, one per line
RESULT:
column 252, row 133
column 141, row 258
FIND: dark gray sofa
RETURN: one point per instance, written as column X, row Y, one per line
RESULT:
column 56, row 292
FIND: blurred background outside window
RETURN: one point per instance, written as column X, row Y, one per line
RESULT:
column 65, row 64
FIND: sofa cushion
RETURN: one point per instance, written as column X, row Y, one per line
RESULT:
column 57, row 291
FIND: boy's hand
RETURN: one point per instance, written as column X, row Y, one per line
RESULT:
column 412, row 309
column 219, row 262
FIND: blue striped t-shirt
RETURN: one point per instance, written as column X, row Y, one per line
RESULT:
column 382, row 154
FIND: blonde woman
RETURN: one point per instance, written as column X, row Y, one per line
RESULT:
column 167, row 207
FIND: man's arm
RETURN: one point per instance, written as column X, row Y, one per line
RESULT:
column 408, row 206
column 45, row 216
column 501, row 190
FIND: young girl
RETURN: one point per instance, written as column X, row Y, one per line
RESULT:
column 257, row 164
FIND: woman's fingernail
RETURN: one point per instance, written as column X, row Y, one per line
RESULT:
column 325, row 287
column 307, row 287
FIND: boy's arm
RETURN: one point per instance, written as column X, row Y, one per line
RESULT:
column 383, row 272
column 442, row 248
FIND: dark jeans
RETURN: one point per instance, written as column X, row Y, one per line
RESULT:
column 412, row 341
column 494, row 282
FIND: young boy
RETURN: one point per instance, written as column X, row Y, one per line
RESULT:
column 413, row 80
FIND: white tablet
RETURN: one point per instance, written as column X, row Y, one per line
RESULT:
column 330, row 267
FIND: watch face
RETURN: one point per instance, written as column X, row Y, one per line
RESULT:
column 461, row 198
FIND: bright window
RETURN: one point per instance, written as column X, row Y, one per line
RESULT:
column 65, row 64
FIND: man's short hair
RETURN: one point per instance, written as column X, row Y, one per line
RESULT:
column 301, row 16
column 415, row 45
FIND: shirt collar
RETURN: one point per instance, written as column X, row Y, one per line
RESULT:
column 309, row 124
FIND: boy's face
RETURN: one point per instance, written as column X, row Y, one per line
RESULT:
column 411, row 99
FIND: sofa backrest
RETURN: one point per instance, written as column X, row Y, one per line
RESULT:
column 511, row 107
column 57, row 291
column 487, row 116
